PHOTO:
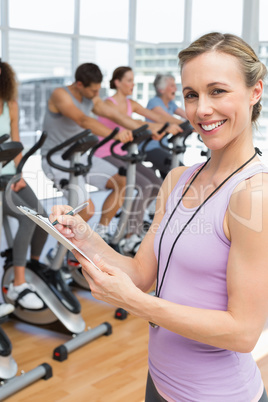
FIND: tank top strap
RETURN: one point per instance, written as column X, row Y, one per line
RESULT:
column 176, row 192
column 228, row 188
column 246, row 173
column 129, row 108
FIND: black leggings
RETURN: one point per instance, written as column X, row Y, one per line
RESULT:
column 28, row 233
column 153, row 396
column 264, row 397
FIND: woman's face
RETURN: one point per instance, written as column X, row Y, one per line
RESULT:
column 170, row 91
column 126, row 84
column 217, row 101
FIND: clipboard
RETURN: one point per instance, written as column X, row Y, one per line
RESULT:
column 45, row 224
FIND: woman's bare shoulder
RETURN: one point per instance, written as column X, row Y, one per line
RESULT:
column 171, row 180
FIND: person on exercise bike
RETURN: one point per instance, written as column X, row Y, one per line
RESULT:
column 19, row 193
column 147, row 183
column 67, row 113
column 164, row 104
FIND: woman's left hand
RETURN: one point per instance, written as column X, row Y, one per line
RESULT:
column 110, row 284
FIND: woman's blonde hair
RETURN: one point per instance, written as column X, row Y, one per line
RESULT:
column 252, row 68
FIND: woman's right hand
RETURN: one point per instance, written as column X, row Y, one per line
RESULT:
column 72, row 227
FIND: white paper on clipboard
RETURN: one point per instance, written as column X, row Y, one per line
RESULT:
column 45, row 224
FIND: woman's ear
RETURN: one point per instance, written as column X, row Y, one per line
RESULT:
column 257, row 92
column 117, row 82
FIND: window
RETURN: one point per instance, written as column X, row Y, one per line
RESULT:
column 161, row 51
column 173, row 63
column 149, row 52
column 157, row 22
column 44, row 55
column 211, row 15
column 263, row 27
column 49, row 15
column 149, row 63
column 160, row 63
column 173, row 51
column 107, row 55
column 104, row 18
column 139, row 52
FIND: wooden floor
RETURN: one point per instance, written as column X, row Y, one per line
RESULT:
column 112, row 368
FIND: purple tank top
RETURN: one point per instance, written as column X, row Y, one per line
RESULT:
column 105, row 149
column 182, row 369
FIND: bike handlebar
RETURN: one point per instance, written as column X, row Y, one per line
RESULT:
column 4, row 138
column 187, row 130
column 67, row 142
column 104, row 141
column 146, row 142
column 90, row 142
column 139, row 135
column 31, row 151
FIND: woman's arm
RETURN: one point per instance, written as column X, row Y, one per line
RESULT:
column 105, row 109
column 61, row 102
column 180, row 112
column 15, row 136
column 14, row 126
column 154, row 127
column 154, row 115
column 239, row 327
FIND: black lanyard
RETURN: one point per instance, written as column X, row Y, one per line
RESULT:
column 159, row 287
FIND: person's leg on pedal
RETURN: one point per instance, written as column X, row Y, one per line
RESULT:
column 104, row 175
column 21, row 292
column 112, row 204
column 147, row 184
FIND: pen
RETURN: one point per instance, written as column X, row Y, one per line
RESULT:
column 74, row 211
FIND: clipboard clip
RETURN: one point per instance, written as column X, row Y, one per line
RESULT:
column 29, row 210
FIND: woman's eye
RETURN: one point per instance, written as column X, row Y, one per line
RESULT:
column 218, row 91
column 190, row 96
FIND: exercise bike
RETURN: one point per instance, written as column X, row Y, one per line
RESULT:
column 10, row 383
column 132, row 158
column 50, row 284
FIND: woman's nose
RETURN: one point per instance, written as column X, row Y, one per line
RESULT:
column 204, row 107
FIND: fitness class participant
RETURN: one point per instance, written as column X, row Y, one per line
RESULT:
column 19, row 193
column 163, row 102
column 67, row 114
column 147, row 183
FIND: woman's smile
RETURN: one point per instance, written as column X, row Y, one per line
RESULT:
column 210, row 127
